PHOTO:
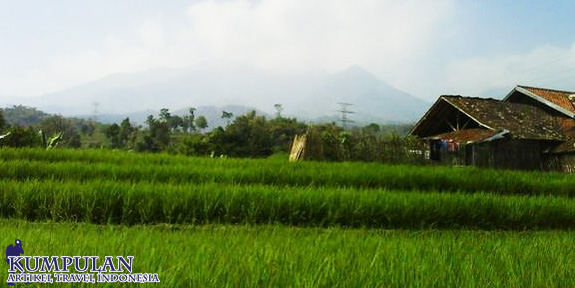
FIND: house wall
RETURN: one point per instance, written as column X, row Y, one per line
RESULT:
column 510, row 154
column 559, row 162
column 500, row 154
column 445, row 156
column 517, row 154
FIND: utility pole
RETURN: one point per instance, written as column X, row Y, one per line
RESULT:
column 345, row 112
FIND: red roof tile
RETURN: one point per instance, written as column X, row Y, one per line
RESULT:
column 568, row 127
column 464, row 136
column 557, row 97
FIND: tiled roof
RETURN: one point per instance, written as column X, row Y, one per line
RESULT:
column 557, row 97
column 464, row 136
column 564, row 147
column 568, row 128
column 523, row 121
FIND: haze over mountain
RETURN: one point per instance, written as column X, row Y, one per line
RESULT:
column 212, row 113
column 306, row 96
column 372, row 99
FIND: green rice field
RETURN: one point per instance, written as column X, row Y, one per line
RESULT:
column 281, row 256
column 203, row 222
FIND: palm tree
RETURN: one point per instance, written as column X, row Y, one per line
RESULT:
column 228, row 116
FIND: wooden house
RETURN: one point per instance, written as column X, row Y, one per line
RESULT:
column 531, row 128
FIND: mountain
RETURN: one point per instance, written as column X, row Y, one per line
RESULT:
column 203, row 85
column 371, row 99
column 307, row 96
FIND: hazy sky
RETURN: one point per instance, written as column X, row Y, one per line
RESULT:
column 426, row 48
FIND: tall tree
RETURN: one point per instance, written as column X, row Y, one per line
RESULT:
column 283, row 131
column 372, row 129
column 165, row 114
column 188, row 120
column 228, row 116
column 125, row 133
column 112, row 132
column 175, row 122
column 3, row 123
column 279, row 109
column 247, row 136
column 201, row 122
column 55, row 124
column 158, row 136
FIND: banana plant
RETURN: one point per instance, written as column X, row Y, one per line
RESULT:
column 5, row 135
column 51, row 143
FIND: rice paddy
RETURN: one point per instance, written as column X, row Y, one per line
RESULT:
column 203, row 222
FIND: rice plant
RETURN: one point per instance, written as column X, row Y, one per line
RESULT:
column 108, row 201
column 278, row 256
column 24, row 164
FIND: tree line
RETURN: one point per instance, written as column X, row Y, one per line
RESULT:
column 248, row 135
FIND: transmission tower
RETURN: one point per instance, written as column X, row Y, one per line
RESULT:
column 345, row 112
column 96, row 106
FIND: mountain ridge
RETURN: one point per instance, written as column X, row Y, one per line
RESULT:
column 306, row 96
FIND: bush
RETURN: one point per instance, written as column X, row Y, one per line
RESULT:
column 21, row 137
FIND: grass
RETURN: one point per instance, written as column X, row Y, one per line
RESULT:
column 85, row 165
column 125, row 188
column 278, row 256
column 104, row 201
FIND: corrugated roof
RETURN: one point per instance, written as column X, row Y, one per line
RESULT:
column 558, row 97
column 523, row 121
